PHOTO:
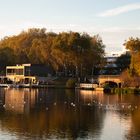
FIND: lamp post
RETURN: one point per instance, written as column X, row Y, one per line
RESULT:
column 92, row 73
column 81, row 70
column 76, row 71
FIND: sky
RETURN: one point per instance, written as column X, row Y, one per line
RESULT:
column 114, row 20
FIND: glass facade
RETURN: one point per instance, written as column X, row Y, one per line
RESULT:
column 15, row 71
column 27, row 71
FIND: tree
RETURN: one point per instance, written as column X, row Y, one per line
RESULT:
column 74, row 50
column 128, row 80
column 133, row 44
column 6, row 56
column 66, row 51
column 123, row 61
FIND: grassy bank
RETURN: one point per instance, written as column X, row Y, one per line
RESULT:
column 125, row 90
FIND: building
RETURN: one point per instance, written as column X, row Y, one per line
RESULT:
column 111, row 67
column 27, row 73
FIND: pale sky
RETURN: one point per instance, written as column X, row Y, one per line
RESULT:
column 114, row 20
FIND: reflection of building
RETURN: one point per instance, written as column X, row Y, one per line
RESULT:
column 89, row 96
column 2, row 98
column 19, row 101
column 27, row 72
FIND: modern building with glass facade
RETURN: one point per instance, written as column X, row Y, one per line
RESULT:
column 27, row 72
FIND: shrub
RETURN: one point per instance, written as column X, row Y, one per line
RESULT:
column 71, row 83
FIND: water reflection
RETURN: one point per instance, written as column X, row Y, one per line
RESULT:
column 19, row 102
column 57, row 114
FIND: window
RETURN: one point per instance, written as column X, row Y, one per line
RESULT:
column 10, row 71
column 19, row 71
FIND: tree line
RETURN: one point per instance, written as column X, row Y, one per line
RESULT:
column 130, row 63
column 63, row 51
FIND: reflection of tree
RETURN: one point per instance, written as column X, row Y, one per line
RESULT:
column 2, row 99
column 60, row 120
column 131, row 117
column 135, row 126
column 50, row 113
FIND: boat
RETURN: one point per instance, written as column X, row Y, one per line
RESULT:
column 4, row 85
column 86, row 86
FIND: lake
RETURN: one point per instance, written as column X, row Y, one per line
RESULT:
column 40, row 114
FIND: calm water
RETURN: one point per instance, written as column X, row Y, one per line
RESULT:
column 64, row 114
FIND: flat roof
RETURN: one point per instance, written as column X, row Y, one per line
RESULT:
column 18, row 66
column 14, row 67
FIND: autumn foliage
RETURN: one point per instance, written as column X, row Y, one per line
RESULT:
column 66, row 50
column 131, row 76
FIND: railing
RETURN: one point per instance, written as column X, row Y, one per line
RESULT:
column 14, row 74
column 109, row 76
column 11, row 74
column 87, row 86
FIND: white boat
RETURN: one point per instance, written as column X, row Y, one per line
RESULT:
column 4, row 85
column 87, row 86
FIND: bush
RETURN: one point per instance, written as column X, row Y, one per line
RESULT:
column 71, row 83
column 129, row 80
column 126, row 90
